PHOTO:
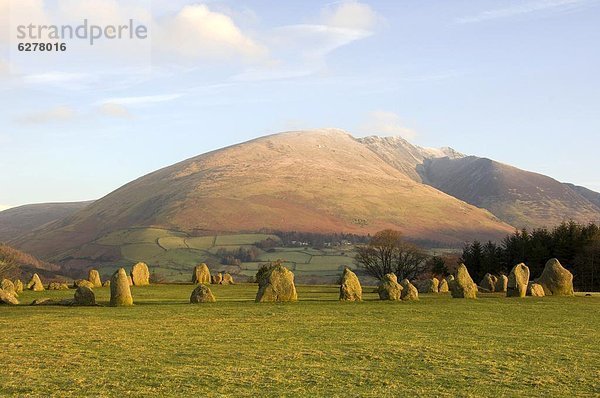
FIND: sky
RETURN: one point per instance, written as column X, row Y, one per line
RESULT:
column 515, row 81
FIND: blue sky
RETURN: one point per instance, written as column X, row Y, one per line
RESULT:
column 515, row 81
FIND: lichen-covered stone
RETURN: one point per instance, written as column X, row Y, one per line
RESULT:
column 227, row 279
column 35, row 284
column 202, row 294
column 94, row 278
column 8, row 286
column 140, row 275
column 120, row 291
column 518, row 279
column 389, row 288
column 428, row 285
column 556, row 280
column 501, row 284
column 217, row 279
column 463, row 286
column 350, row 288
column 489, row 282
column 277, row 285
column 443, row 287
column 84, row 296
column 201, row 274
column 8, row 298
column 409, row 291
column 535, row 290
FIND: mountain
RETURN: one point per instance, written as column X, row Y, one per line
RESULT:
column 520, row 198
column 17, row 221
column 313, row 181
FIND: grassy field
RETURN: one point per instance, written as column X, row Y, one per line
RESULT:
column 438, row 346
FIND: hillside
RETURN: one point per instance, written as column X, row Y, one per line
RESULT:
column 18, row 264
column 521, row 198
column 315, row 181
column 23, row 219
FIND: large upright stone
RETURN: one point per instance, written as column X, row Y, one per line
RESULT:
column 428, row 285
column 489, row 282
column 217, row 279
column 120, row 291
column 556, row 280
column 94, row 278
column 535, row 290
column 389, row 288
column 409, row 291
column 443, row 287
column 84, row 296
column 201, row 274
column 82, row 283
column 227, row 279
column 517, row 281
column 35, row 283
column 277, row 285
column 501, row 284
column 350, row 288
column 463, row 286
column 8, row 298
column 140, row 275
column 8, row 286
column 18, row 286
column 202, row 294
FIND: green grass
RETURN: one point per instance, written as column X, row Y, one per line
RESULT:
column 242, row 239
column 438, row 346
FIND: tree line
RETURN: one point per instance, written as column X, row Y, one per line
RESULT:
column 575, row 245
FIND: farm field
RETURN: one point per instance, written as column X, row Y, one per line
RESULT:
column 319, row 346
column 173, row 254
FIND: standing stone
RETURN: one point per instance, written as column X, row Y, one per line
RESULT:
column 94, row 278
column 58, row 286
column 489, row 282
column 277, row 285
column 217, row 279
column 443, row 288
column 409, row 291
column 120, row 291
column 201, row 274
column 428, row 285
column 535, row 290
column 84, row 296
column 350, row 288
column 8, row 286
column 227, row 279
column 8, row 298
column 556, row 280
column 35, row 284
column 501, row 284
column 18, row 286
column 130, row 280
column 140, row 275
column 82, row 282
column 106, row 284
column 463, row 286
column 517, row 281
column 389, row 288
column 202, row 294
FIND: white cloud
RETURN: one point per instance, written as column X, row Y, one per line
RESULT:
column 523, row 8
column 350, row 15
column 114, row 110
column 386, row 123
column 58, row 114
column 141, row 100
column 197, row 32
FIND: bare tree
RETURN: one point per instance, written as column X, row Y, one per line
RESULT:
column 8, row 265
column 387, row 252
